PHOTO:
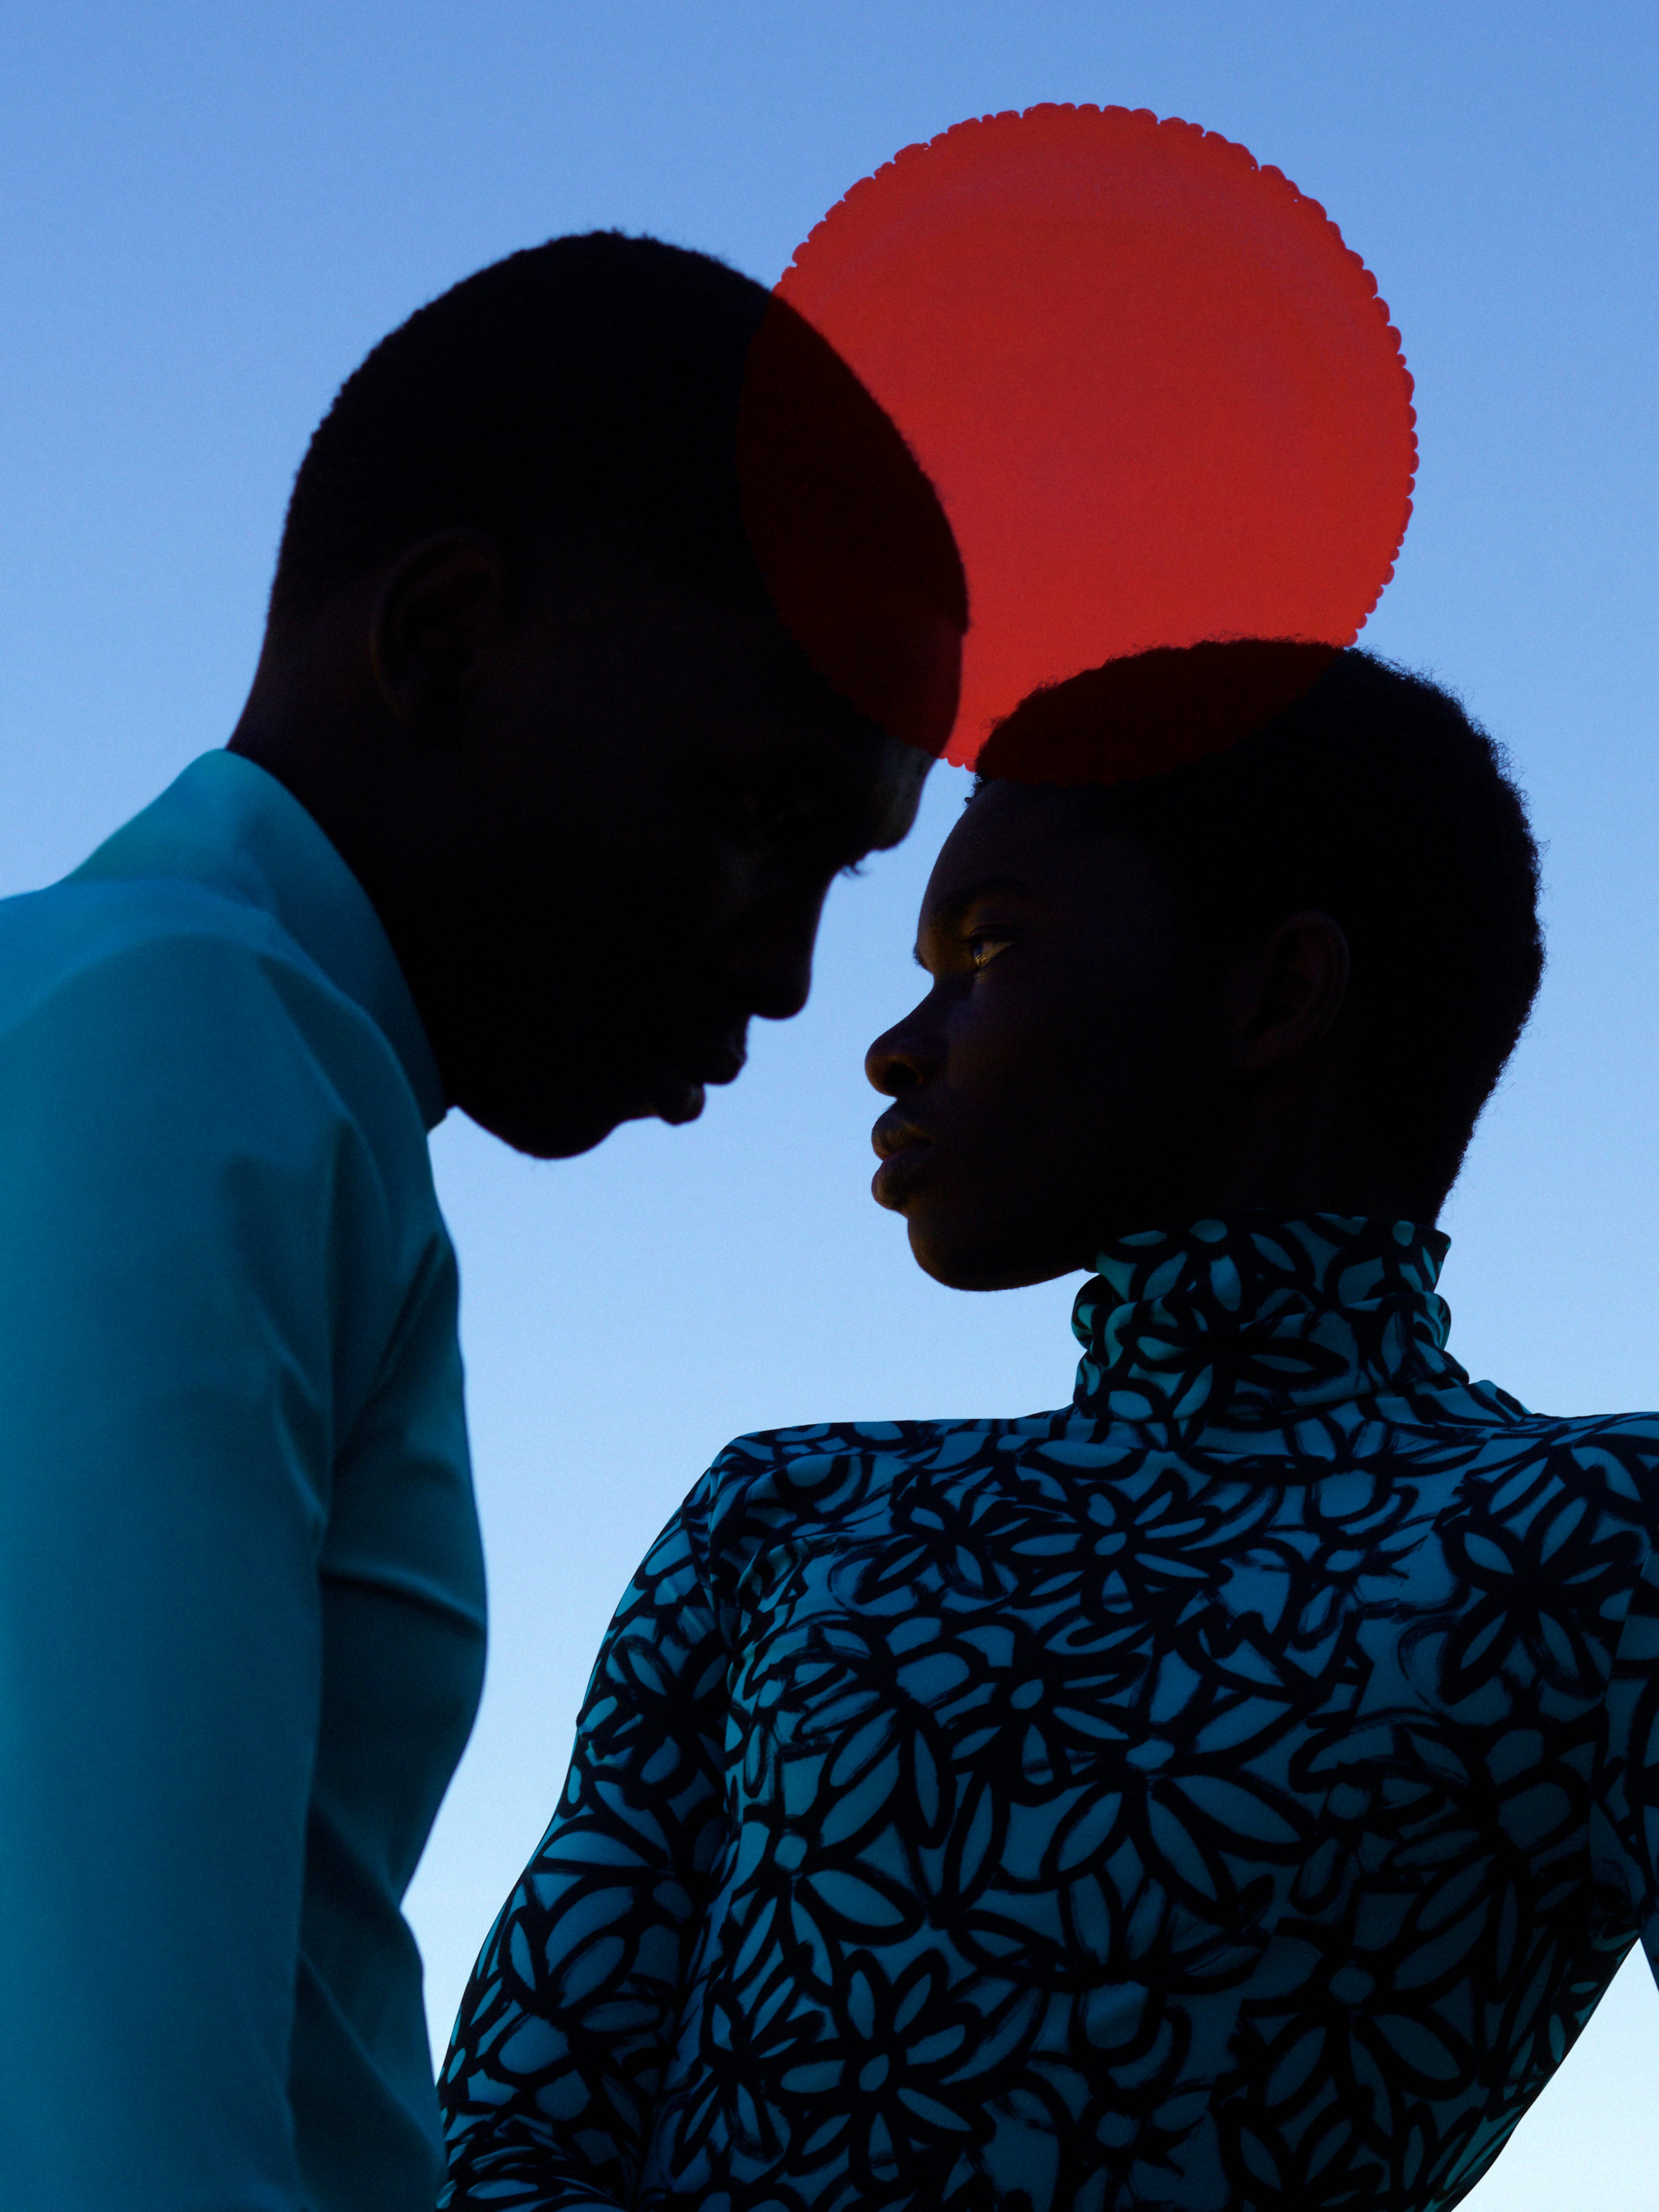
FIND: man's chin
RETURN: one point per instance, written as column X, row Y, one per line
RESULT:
column 576, row 1125
column 541, row 1139
column 672, row 1096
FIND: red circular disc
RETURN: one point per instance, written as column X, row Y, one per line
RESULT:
column 1161, row 400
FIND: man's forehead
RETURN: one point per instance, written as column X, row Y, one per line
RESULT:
column 840, row 751
column 895, row 787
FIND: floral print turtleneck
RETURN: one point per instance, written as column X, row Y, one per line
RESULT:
column 1233, row 1790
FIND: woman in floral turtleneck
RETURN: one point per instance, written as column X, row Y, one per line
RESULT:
column 1235, row 1788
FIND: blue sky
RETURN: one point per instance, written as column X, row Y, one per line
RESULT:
column 210, row 213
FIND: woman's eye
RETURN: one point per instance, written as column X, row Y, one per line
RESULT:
column 984, row 946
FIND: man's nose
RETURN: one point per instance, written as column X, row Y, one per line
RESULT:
column 771, row 965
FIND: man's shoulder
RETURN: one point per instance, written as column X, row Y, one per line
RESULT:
column 196, row 986
column 171, row 1061
column 82, row 925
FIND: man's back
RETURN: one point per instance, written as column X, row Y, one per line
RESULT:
column 240, row 1594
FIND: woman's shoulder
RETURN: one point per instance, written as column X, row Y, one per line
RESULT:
column 830, row 1471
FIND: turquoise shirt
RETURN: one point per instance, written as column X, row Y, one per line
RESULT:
column 241, row 1595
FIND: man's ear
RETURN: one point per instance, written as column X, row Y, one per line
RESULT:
column 436, row 611
column 1287, row 992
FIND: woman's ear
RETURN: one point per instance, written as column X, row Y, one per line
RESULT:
column 435, row 612
column 1286, row 992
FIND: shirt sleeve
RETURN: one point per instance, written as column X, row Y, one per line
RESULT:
column 185, row 1321
column 1626, row 1848
column 569, row 2022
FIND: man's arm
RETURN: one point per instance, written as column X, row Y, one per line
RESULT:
column 174, row 1171
column 569, row 2022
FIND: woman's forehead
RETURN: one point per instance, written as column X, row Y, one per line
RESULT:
column 1004, row 818
column 1039, row 840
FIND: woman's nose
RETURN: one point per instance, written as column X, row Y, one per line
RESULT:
column 901, row 1057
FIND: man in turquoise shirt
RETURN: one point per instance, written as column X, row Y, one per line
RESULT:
column 556, row 741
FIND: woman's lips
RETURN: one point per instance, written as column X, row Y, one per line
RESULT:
column 904, row 1152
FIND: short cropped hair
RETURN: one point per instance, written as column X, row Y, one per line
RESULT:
column 597, row 384
column 1373, row 797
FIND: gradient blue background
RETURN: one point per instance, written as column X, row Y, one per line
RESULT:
column 210, row 212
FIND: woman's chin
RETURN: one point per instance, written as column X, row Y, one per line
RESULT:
column 955, row 1257
column 936, row 1256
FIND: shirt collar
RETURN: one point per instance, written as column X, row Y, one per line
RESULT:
column 230, row 825
column 1249, row 1322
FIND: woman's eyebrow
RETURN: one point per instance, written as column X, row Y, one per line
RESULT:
column 951, row 909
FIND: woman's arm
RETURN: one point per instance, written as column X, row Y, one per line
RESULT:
column 569, row 2019
column 1626, row 1856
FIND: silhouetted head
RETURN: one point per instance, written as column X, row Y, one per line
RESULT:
column 612, row 617
column 1286, row 976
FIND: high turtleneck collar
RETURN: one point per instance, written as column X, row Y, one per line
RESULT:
column 1247, row 1323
